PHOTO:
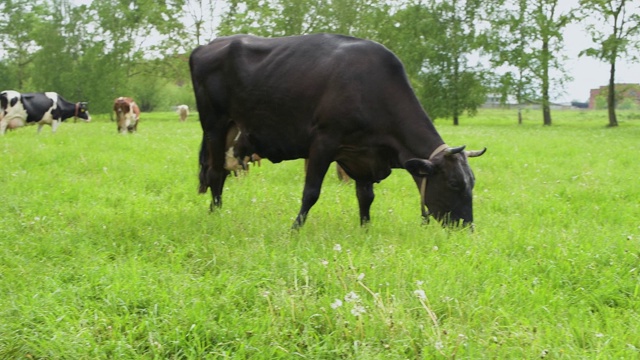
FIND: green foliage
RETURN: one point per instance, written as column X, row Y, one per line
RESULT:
column 108, row 252
column 16, row 31
column 629, row 104
column 447, row 34
column 601, row 102
column 361, row 18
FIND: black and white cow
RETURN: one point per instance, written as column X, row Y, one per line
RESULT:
column 17, row 110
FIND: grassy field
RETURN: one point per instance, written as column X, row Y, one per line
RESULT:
column 108, row 252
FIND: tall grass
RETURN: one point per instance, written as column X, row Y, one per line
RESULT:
column 107, row 251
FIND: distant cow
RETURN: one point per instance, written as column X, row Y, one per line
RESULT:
column 231, row 162
column 183, row 112
column 325, row 98
column 127, row 114
column 17, row 110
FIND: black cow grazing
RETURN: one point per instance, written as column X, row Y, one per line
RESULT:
column 325, row 98
column 18, row 110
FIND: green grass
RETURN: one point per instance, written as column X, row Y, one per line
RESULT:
column 107, row 251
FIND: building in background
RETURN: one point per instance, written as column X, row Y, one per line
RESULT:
column 628, row 96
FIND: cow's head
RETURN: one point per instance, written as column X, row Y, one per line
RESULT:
column 446, row 182
column 82, row 111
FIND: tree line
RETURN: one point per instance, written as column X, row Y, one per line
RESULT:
column 456, row 52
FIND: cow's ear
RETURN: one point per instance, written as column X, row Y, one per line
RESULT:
column 420, row 167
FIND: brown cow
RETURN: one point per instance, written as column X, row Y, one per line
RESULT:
column 127, row 114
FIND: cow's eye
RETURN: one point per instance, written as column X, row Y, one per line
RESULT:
column 454, row 185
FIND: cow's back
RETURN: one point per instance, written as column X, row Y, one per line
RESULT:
column 285, row 89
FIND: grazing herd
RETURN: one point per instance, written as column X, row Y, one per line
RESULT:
column 324, row 98
column 49, row 108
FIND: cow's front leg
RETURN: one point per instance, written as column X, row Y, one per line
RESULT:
column 40, row 125
column 316, row 170
column 3, row 126
column 364, row 192
column 54, row 126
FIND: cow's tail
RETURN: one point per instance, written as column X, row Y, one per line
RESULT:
column 204, row 166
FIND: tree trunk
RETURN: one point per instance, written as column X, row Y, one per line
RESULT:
column 546, row 111
column 611, row 97
column 519, row 116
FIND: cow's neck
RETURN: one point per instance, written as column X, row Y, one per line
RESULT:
column 67, row 109
column 421, row 141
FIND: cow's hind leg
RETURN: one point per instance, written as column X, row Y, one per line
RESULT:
column 212, row 171
column 364, row 192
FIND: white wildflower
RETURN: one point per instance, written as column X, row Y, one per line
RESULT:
column 358, row 310
column 351, row 297
column 337, row 247
column 361, row 276
column 420, row 294
column 439, row 345
column 324, row 262
column 336, row 304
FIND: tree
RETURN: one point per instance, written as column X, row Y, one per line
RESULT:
column 203, row 14
column 549, row 23
column 60, row 41
column 530, row 43
column 439, row 38
column 617, row 38
column 508, row 45
column 17, row 25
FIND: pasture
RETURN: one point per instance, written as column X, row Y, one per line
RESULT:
column 107, row 250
